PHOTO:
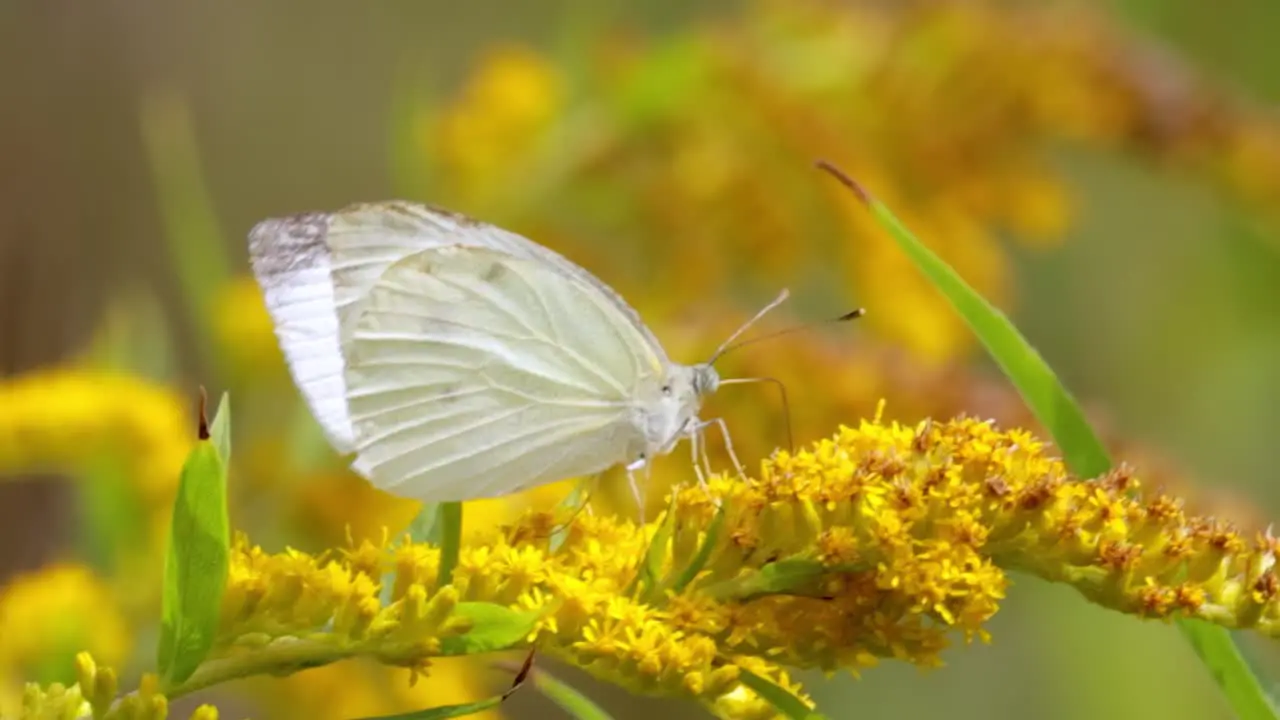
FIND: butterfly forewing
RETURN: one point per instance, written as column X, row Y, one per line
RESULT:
column 471, row 372
column 316, row 268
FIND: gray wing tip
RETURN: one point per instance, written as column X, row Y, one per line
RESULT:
column 283, row 244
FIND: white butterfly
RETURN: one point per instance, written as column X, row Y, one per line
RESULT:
column 457, row 360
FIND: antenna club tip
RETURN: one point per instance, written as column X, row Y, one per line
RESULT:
column 845, row 180
column 202, row 428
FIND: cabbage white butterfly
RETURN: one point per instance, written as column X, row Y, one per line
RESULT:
column 457, row 360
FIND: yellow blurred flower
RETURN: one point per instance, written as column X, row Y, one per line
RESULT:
column 695, row 148
column 78, row 420
column 510, row 100
column 47, row 615
column 357, row 689
column 63, row 418
column 244, row 330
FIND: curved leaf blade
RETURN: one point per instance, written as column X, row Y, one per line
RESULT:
column 784, row 576
column 781, row 698
column 493, row 627
column 573, row 702
column 1055, row 408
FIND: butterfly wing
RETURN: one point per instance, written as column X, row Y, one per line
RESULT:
column 472, row 372
column 316, row 268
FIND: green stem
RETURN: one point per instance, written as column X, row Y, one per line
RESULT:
column 282, row 655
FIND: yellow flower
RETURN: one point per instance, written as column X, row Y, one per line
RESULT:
column 46, row 616
column 62, row 419
column 94, row 695
column 357, row 689
column 507, row 104
column 885, row 541
column 244, row 330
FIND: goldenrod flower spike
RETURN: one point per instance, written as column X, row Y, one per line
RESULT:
column 94, row 696
column 884, row 541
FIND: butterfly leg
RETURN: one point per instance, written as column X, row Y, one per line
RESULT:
column 642, row 463
column 698, row 449
column 728, row 444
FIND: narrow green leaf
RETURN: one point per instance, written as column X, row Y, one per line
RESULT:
column 1054, row 407
column 447, row 533
column 778, row 696
column 197, row 251
column 440, row 524
column 494, row 627
column 567, row 698
column 648, row 576
column 220, row 429
column 196, row 561
column 446, row 711
column 655, row 556
column 428, row 525
column 700, row 559
column 464, row 709
column 1219, row 653
column 111, row 517
column 1047, row 399
column 436, row 524
column 133, row 336
column 572, row 504
column 783, row 576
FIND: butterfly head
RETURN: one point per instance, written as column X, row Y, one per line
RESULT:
column 704, row 379
column 683, row 387
column 668, row 412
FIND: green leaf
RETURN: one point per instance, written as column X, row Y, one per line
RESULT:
column 1219, row 653
column 570, row 700
column 1048, row 400
column 440, row 524
column 449, row 536
column 778, row 696
column 573, row 504
column 656, row 554
column 196, row 245
column 111, row 516
column 1054, row 407
column 428, row 525
column 703, row 555
column 220, row 429
column 464, row 709
column 494, row 627
column 197, row 558
column 447, row 711
column 783, row 576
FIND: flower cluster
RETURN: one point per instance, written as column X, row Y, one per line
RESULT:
column 886, row 541
column 94, row 695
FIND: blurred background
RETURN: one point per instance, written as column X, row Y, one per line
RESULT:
column 1107, row 173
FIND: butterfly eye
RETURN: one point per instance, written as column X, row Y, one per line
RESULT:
column 666, row 390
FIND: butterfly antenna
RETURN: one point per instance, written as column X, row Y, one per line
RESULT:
column 782, row 391
column 851, row 315
column 726, row 345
